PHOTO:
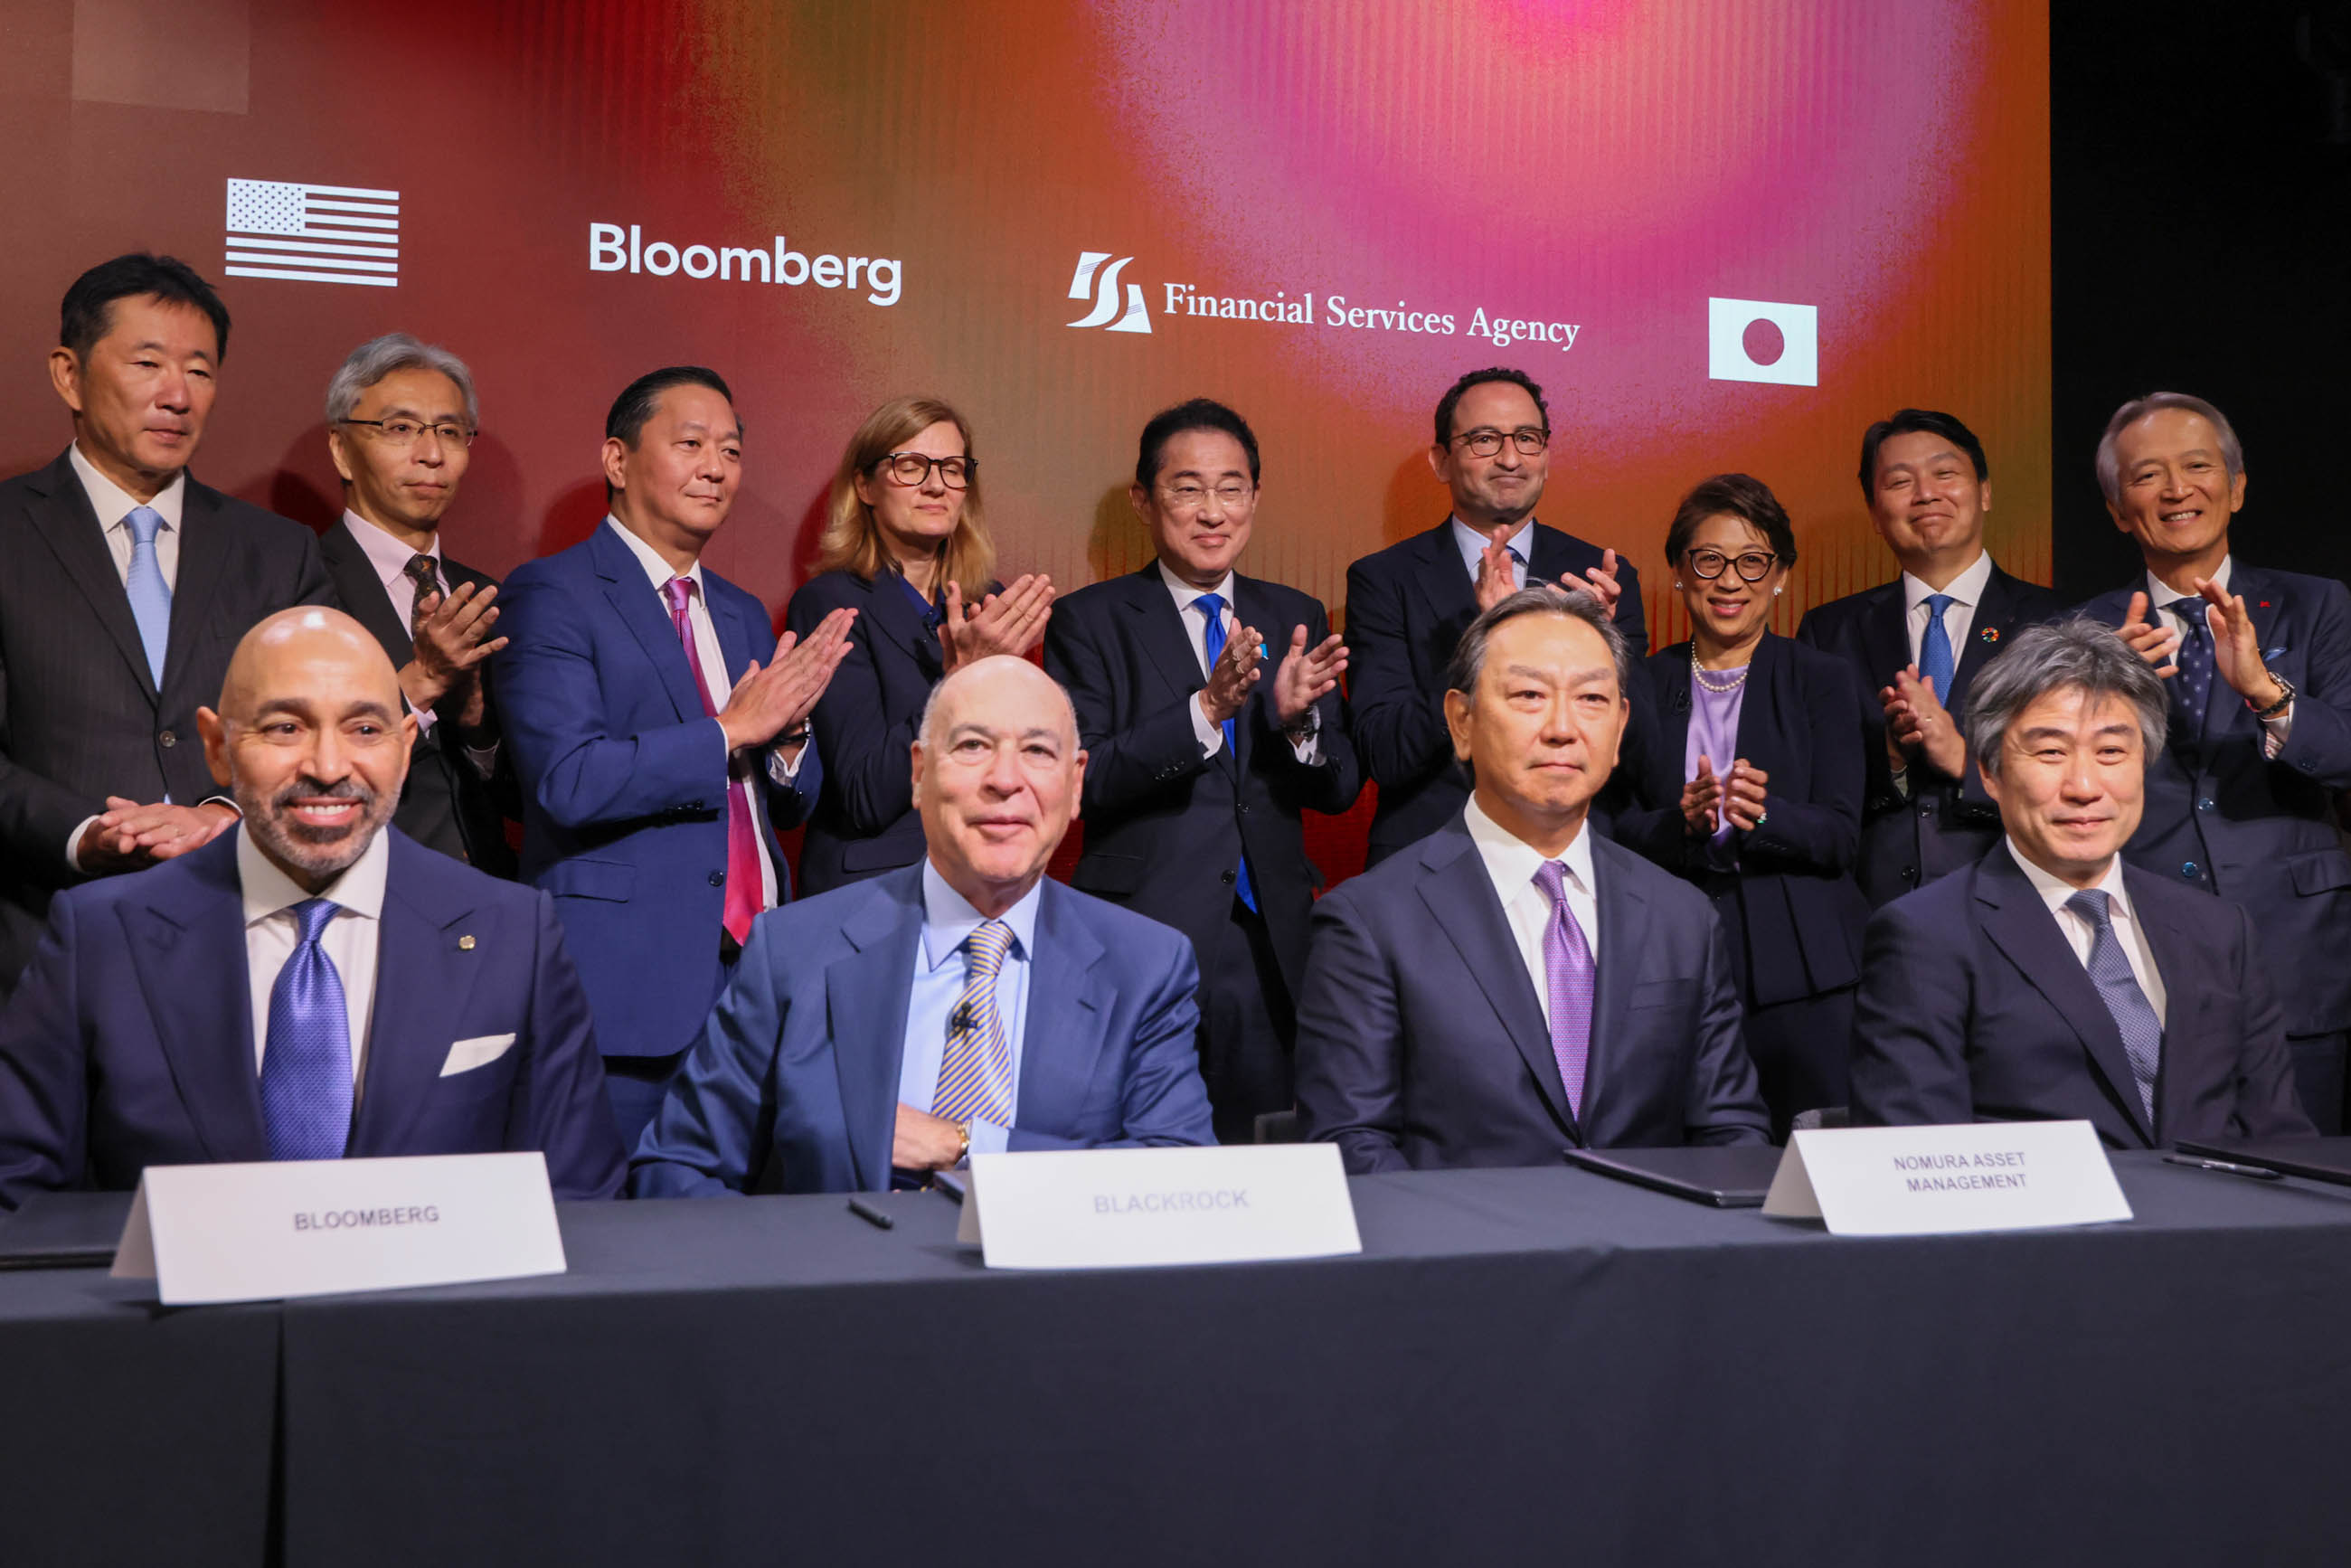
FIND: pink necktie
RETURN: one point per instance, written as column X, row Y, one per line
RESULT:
column 743, row 890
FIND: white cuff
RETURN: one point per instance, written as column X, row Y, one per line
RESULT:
column 73, row 846
column 1210, row 736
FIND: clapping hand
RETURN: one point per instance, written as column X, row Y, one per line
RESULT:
column 1012, row 621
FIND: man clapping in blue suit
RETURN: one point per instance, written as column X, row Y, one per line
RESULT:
column 884, row 1030
column 311, row 985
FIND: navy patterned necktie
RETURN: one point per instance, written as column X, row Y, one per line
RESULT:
column 2118, row 988
column 1212, row 606
column 305, row 1060
column 2192, row 687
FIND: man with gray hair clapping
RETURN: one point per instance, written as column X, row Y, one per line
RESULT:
column 2052, row 981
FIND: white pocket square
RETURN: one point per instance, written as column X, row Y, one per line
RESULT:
column 479, row 1051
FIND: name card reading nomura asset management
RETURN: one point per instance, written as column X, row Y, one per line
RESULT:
column 1129, row 1208
column 271, row 1230
column 1930, row 1181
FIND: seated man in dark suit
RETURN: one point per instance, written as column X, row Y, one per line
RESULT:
column 310, row 986
column 2052, row 980
column 881, row 1031
column 1515, row 984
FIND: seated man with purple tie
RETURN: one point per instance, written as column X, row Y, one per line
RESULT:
column 2052, row 980
column 312, row 984
column 1514, row 985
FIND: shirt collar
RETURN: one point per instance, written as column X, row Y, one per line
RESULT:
column 267, row 890
column 1185, row 594
column 948, row 918
column 657, row 571
column 112, row 504
column 2055, row 891
column 1968, row 587
column 389, row 555
column 2161, row 594
column 1472, row 544
column 1512, row 861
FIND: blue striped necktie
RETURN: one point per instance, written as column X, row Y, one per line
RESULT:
column 976, row 1072
column 151, row 596
column 1212, row 605
column 306, row 1061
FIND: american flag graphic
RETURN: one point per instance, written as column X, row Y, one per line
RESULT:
column 315, row 233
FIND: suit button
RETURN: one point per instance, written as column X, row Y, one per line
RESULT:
column 2205, row 804
column 1925, row 812
column 693, row 806
column 1909, row 873
column 2187, row 868
column 1228, row 879
column 717, row 879
column 167, row 739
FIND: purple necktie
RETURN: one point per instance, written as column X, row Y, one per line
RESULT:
column 1567, row 969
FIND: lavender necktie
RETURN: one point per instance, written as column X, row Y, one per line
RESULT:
column 1567, row 971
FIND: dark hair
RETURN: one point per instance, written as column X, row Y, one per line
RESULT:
column 1537, row 598
column 626, row 421
column 89, row 309
column 1452, row 398
column 1740, row 495
column 1919, row 422
column 1198, row 414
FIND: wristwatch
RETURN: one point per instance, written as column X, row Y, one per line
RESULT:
column 2279, row 707
column 963, row 1133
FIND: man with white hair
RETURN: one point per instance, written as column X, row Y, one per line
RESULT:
column 2258, row 660
column 886, row 1029
column 402, row 416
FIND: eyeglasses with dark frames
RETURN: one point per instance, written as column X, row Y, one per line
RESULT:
column 1754, row 566
column 911, row 468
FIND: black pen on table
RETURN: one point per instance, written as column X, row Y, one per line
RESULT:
column 870, row 1213
column 2197, row 1162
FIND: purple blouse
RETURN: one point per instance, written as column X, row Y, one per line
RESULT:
column 1714, row 733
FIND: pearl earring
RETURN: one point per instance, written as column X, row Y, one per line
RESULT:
column 1776, row 592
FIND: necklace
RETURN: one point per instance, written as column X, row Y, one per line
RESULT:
column 1698, row 674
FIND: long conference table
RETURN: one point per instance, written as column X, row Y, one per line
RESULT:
column 1522, row 1366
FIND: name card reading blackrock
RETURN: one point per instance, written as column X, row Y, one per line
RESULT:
column 1123, row 1208
column 1926, row 1181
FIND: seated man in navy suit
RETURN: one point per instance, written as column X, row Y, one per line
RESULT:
column 1514, row 984
column 2052, row 980
column 312, row 984
column 884, row 1030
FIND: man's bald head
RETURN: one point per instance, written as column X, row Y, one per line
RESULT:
column 1001, row 676
column 996, row 774
column 312, row 740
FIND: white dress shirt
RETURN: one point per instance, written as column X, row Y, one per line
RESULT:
column 1513, row 863
column 349, row 941
column 113, row 507
column 1967, row 592
column 1211, row 735
column 2159, row 595
column 2080, row 934
column 1473, row 545
column 716, row 677
column 949, row 919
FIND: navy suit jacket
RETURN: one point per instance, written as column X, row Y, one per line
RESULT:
column 624, row 781
column 1166, row 827
column 2221, row 817
column 129, row 1042
column 1421, row 1043
column 1791, row 912
column 1942, row 824
column 1406, row 607
column 1975, row 1007
column 796, row 1079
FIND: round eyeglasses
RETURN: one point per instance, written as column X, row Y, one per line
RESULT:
column 911, row 468
column 1754, row 566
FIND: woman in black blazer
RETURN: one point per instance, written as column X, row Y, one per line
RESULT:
column 906, row 548
column 1750, row 784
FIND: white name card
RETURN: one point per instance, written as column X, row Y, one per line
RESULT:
column 1131, row 1208
column 309, row 1228
column 1933, row 1181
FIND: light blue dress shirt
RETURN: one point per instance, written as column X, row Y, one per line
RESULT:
column 1472, row 546
column 948, row 920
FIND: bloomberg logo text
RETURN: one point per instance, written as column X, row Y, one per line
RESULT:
column 611, row 248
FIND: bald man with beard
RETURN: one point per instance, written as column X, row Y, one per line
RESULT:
column 312, row 984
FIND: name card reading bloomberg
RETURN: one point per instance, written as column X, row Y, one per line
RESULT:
column 611, row 248
column 367, row 1218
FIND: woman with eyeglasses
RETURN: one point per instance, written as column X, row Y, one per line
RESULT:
column 906, row 546
column 1750, row 784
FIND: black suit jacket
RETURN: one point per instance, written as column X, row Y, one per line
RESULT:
column 1165, row 826
column 1975, row 1007
column 446, row 804
column 1406, row 609
column 1421, row 1043
column 1790, row 911
column 2261, row 833
column 80, row 716
column 865, row 822
column 1942, row 824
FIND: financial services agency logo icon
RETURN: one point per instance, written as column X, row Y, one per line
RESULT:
column 1101, row 282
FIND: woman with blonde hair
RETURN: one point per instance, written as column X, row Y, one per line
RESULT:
column 906, row 545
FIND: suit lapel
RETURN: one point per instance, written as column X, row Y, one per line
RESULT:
column 362, row 592
column 1885, row 636
column 2265, row 603
column 734, row 641
column 1623, row 941
column 1444, row 581
column 414, row 1018
column 1061, row 1030
column 71, row 528
column 204, row 545
column 638, row 604
column 1461, row 895
column 188, row 944
column 2179, row 950
column 2021, row 927
column 895, row 614
column 865, row 997
column 1995, row 613
column 1770, row 666
column 1162, row 632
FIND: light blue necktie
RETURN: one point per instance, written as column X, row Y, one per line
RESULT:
column 2193, row 685
column 305, row 1064
column 2110, row 971
column 151, row 596
column 1212, row 605
column 1935, row 660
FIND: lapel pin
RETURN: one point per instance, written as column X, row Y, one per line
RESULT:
column 2266, row 604
column 1989, row 634
column 464, row 944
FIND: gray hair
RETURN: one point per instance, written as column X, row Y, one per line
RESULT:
column 1537, row 598
column 2074, row 654
column 379, row 357
column 2110, row 479
column 934, row 707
